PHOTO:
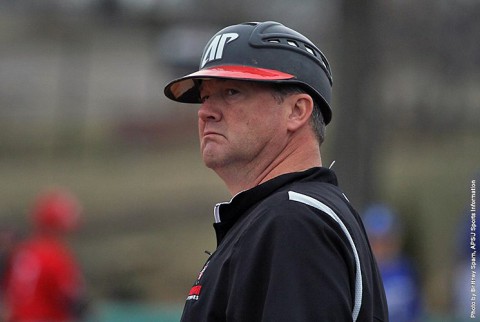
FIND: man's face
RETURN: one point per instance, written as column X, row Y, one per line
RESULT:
column 241, row 124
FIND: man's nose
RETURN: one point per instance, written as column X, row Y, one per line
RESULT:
column 209, row 111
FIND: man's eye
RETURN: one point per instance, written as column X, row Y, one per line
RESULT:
column 204, row 98
column 231, row 92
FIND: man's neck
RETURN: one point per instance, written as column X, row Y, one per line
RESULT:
column 241, row 178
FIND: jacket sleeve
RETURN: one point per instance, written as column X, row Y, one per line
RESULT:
column 291, row 264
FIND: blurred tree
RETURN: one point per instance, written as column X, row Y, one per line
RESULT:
column 357, row 136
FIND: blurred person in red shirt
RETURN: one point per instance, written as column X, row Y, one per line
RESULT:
column 43, row 281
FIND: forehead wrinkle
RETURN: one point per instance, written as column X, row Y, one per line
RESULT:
column 204, row 81
column 242, row 82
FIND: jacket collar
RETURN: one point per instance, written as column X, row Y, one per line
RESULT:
column 227, row 213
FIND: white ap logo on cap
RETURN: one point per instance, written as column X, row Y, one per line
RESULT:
column 214, row 51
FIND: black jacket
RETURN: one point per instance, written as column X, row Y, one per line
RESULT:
column 291, row 249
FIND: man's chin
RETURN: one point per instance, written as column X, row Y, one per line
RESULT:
column 214, row 160
column 212, row 163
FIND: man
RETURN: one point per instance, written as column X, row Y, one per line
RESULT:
column 44, row 283
column 290, row 246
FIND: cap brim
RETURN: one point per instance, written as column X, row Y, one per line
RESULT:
column 185, row 89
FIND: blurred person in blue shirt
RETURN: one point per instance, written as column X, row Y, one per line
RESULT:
column 385, row 232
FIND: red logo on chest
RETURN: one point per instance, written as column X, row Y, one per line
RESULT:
column 195, row 290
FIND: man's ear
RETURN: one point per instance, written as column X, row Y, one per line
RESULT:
column 301, row 107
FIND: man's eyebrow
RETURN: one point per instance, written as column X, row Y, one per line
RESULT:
column 198, row 84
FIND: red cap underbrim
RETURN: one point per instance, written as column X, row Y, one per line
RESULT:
column 181, row 89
